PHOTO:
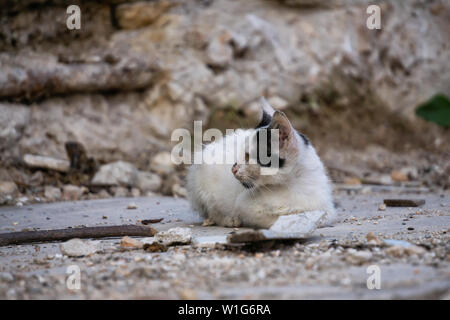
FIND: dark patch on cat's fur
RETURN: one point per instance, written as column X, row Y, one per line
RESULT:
column 247, row 185
column 305, row 139
column 265, row 121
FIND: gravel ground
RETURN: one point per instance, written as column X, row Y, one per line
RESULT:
column 331, row 264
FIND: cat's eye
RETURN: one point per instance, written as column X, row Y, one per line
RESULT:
column 247, row 157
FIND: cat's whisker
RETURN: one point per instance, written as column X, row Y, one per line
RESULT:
column 268, row 189
column 252, row 192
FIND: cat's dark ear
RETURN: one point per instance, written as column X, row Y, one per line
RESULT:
column 286, row 131
column 266, row 113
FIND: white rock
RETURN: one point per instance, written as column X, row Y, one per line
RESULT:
column 174, row 236
column 396, row 251
column 103, row 194
column 148, row 240
column 209, row 241
column 135, row 192
column 358, row 257
column 8, row 188
column 52, row 193
column 179, row 191
column 415, row 250
column 71, row 192
column 21, row 201
column 147, row 181
column 219, row 53
column 302, row 223
column 253, row 110
column 35, row 161
column 116, row 173
column 128, row 242
column 278, row 103
column 162, row 163
column 178, row 257
column 120, row 192
column 403, row 248
column 132, row 206
column 78, row 248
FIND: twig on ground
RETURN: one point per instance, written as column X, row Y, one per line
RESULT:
column 70, row 233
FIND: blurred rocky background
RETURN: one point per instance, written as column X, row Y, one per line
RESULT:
column 89, row 113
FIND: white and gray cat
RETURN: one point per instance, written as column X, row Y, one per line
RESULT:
column 238, row 194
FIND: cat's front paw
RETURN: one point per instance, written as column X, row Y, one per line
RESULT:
column 232, row 222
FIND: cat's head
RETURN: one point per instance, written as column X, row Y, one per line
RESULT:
column 271, row 152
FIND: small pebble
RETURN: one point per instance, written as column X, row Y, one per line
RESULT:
column 132, row 206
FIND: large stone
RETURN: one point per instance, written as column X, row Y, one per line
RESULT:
column 36, row 161
column 19, row 74
column 358, row 257
column 78, row 248
column 174, row 236
column 303, row 224
column 116, row 173
column 401, row 251
column 71, row 192
column 278, row 103
column 179, row 191
column 52, row 193
column 8, row 188
column 288, row 227
column 209, row 241
column 130, row 243
column 120, row 192
column 162, row 163
column 147, row 181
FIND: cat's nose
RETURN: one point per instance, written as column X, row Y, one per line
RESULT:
column 235, row 168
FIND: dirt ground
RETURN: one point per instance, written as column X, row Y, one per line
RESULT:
column 332, row 264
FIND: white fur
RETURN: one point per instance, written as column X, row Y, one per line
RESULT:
column 300, row 186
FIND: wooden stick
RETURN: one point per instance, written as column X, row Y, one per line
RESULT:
column 70, row 233
column 404, row 202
